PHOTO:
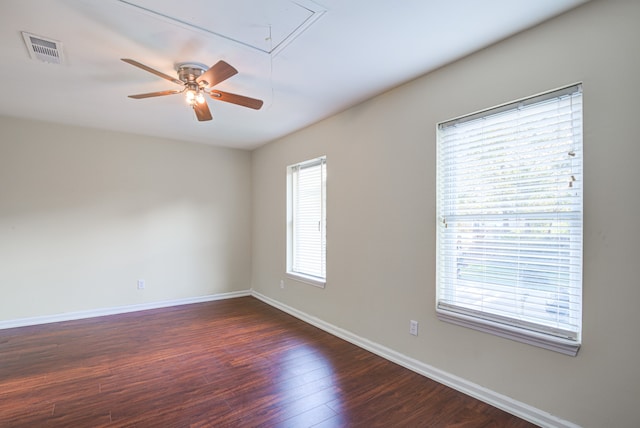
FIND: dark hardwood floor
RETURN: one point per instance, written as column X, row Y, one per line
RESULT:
column 228, row 363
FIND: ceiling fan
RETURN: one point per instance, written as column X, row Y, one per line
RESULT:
column 196, row 80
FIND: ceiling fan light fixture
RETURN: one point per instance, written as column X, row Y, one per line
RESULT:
column 190, row 96
column 194, row 96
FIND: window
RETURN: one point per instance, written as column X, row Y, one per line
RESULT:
column 509, row 207
column 306, row 221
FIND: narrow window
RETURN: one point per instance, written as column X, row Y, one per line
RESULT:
column 307, row 219
column 509, row 209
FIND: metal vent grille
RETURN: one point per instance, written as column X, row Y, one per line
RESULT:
column 42, row 49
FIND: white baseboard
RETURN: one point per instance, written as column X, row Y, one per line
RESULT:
column 46, row 319
column 493, row 398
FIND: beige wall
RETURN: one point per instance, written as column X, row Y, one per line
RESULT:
column 381, row 215
column 84, row 214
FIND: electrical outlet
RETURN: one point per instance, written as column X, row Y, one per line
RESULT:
column 141, row 284
column 413, row 327
column 282, row 283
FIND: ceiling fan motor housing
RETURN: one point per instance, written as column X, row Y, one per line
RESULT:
column 188, row 72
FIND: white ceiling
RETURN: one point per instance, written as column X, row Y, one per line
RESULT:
column 307, row 59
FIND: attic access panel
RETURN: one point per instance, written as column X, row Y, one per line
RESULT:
column 267, row 26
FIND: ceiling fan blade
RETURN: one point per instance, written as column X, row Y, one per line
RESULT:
column 240, row 100
column 151, row 70
column 202, row 112
column 218, row 72
column 154, row 94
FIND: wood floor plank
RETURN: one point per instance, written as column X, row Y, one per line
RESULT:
column 228, row 363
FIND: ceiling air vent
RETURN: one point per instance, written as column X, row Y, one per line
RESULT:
column 42, row 49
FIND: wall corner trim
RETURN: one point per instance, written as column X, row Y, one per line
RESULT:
column 493, row 398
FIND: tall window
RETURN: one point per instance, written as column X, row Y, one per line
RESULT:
column 509, row 209
column 307, row 220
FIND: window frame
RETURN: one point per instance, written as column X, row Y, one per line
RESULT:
column 291, row 272
column 479, row 320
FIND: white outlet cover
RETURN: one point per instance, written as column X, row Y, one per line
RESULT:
column 413, row 327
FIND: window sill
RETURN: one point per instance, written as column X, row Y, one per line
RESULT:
column 307, row 279
column 540, row 340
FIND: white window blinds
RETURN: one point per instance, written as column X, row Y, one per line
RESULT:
column 308, row 218
column 510, row 220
